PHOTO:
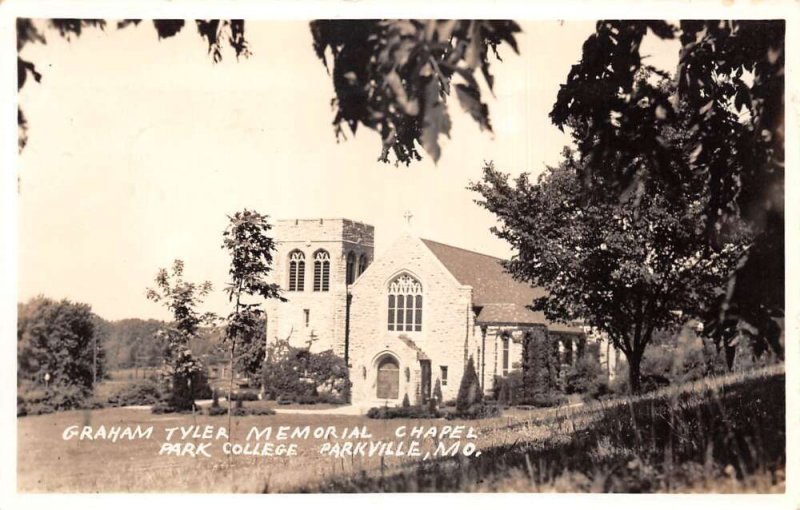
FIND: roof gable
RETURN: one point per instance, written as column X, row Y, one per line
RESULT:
column 502, row 298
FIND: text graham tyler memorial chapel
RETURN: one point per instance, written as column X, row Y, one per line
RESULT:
column 401, row 321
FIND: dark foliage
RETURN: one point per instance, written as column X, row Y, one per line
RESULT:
column 137, row 393
column 250, row 358
column 57, row 340
column 622, row 270
column 216, row 410
column 734, row 136
column 469, row 392
column 253, row 411
column 539, row 365
column 250, row 247
column 509, row 390
column 296, row 374
column 186, row 388
column 184, row 377
column 584, row 376
column 56, row 397
column 394, row 76
column 245, row 396
column 437, row 392
column 391, row 413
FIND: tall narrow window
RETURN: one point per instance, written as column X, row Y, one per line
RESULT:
column 443, row 369
column 505, row 355
column 363, row 262
column 322, row 271
column 405, row 304
column 306, row 316
column 297, row 271
column 351, row 268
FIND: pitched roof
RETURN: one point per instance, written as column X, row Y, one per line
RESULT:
column 502, row 298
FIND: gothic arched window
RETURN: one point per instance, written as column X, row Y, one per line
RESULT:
column 405, row 304
column 322, row 271
column 297, row 271
column 351, row 268
column 363, row 262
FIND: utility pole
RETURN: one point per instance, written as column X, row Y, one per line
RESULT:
column 94, row 361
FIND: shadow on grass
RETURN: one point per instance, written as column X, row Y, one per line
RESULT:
column 718, row 436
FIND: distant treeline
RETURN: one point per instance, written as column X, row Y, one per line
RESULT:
column 133, row 342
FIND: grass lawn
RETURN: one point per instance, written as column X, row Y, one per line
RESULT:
column 724, row 434
column 48, row 463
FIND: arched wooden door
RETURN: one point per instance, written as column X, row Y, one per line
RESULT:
column 388, row 378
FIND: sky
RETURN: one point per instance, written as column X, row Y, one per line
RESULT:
column 138, row 149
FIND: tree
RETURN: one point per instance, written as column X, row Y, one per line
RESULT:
column 469, row 392
column 392, row 76
column 730, row 90
column 437, row 392
column 183, row 373
column 250, row 247
column 625, row 271
column 250, row 360
column 539, row 365
column 58, row 350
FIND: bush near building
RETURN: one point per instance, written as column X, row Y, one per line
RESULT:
column 293, row 373
column 416, row 412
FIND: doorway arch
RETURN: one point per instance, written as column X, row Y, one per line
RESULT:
column 388, row 379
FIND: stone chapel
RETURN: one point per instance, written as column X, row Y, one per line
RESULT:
column 405, row 319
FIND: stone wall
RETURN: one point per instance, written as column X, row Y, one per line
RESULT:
column 447, row 323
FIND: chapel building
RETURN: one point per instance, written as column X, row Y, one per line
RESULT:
column 410, row 317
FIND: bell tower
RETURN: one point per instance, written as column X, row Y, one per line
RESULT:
column 315, row 262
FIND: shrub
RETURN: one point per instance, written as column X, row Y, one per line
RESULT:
column 182, row 395
column 437, row 391
column 508, row 390
column 406, row 402
column 539, row 364
column 284, row 400
column 294, row 372
column 584, row 376
column 246, row 396
column 307, row 399
column 144, row 392
column 216, row 410
column 162, row 408
column 167, row 408
column 476, row 412
column 38, row 408
column 469, row 392
column 62, row 398
column 390, row 413
column 253, row 411
column 551, row 399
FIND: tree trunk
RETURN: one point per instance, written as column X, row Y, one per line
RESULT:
column 635, row 372
column 230, row 390
column 730, row 355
